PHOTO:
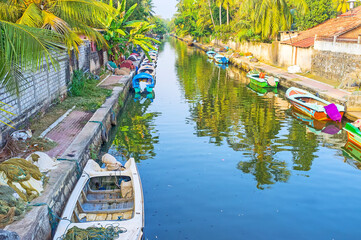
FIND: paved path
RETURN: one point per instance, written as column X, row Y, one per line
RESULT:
column 65, row 132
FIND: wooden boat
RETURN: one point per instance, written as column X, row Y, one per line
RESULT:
column 211, row 54
column 220, row 59
column 316, row 126
column 353, row 133
column 352, row 151
column 106, row 198
column 145, row 78
column 311, row 105
column 147, row 69
column 266, row 81
column 261, row 90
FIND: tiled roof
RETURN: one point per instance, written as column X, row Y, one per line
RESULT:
column 332, row 27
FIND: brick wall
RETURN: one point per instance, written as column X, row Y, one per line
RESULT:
column 44, row 86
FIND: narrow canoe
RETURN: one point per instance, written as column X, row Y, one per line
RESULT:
column 262, row 82
column 106, row 198
column 353, row 133
column 145, row 78
column 261, row 90
column 352, row 151
column 211, row 54
column 220, row 59
column 310, row 105
column 147, row 69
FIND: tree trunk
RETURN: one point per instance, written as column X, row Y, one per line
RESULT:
column 227, row 14
column 220, row 14
column 210, row 11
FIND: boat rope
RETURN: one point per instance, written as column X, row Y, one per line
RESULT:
column 78, row 167
column 53, row 217
column 103, row 130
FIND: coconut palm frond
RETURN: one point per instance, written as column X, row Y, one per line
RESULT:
column 22, row 49
column 9, row 12
column 85, row 11
column 32, row 16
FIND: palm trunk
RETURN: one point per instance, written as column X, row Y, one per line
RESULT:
column 220, row 14
column 227, row 14
column 210, row 11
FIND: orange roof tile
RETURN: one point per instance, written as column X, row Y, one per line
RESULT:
column 332, row 27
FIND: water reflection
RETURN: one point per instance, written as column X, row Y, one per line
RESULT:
column 247, row 119
column 136, row 134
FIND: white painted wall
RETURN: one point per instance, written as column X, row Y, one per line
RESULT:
column 276, row 53
column 340, row 47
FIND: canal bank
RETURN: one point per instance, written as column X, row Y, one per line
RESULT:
column 330, row 93
column 221, row 161
column 86, row 140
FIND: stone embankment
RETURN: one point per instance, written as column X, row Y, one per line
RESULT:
column 351, row 101
column 35, row 224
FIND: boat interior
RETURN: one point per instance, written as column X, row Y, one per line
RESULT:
column 147, row 70
column 311, row 101
column 105, row 198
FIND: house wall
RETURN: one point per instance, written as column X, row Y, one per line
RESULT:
column 338, row 47
column 276, row 53
column 44, row 87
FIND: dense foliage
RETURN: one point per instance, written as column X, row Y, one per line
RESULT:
column 255, row 20
column 319, row 11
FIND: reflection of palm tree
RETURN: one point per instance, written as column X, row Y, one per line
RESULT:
column 304, row 145
column 222, row 110
column 135, row 135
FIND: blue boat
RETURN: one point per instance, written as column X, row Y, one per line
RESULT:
column 220, row 59
column 143, row 77
column 211, row 54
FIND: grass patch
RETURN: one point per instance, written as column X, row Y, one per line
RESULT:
column 83, row 94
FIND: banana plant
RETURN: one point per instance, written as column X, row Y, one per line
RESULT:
column 122, row 35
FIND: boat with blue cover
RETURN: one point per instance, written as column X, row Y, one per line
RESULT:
column 145, row 78
column 211, row 54
column 220, row 59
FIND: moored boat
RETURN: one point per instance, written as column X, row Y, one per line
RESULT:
column 143, row 78
column 220, row 59
column 313, row 106
column 104, row 199
column 261, row 90
column 211, row 54
column 263, row 80
column 147, row 69
column 353, row 133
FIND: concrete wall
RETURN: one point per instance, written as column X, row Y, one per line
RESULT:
column 338, row 47
column 335, row 65
column 276, row 53
column 45, row 86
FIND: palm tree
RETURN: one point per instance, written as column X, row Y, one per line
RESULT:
column 268, row 17
column 227, row 4
column 342, row 5
column 220, row 3
column 33, row 30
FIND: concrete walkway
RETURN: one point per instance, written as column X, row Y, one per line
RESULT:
column 66, row 131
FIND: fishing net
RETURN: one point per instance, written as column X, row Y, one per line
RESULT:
column 18, row 170
column 94, row 233
column 11, row 208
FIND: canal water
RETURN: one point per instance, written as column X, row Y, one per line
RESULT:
column 219, row 160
